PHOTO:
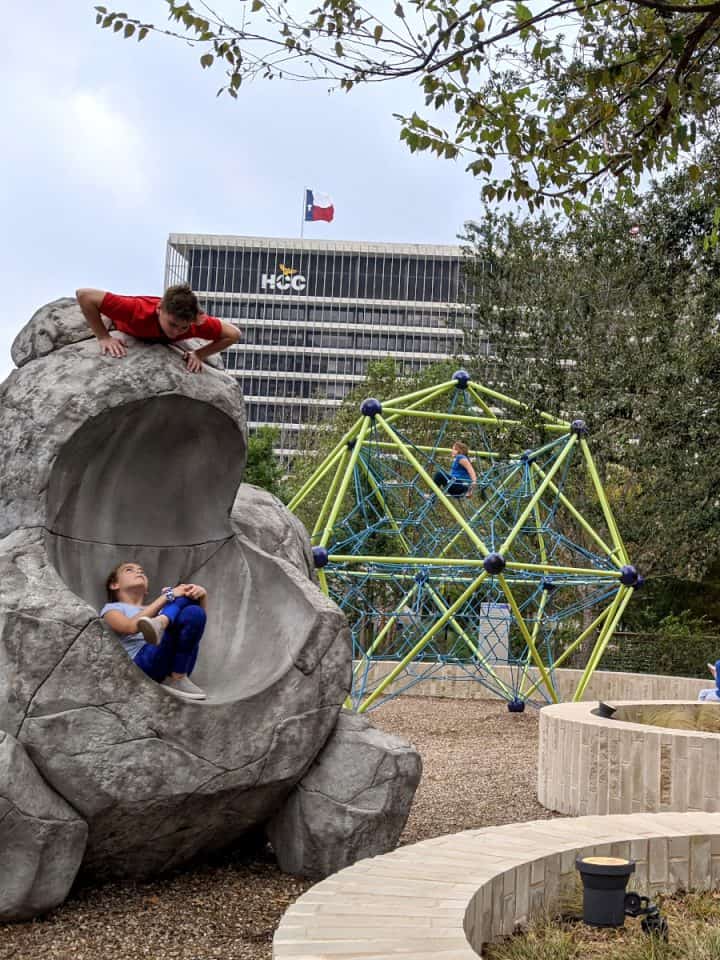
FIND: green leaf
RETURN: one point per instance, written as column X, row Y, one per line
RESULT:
column 206, row 60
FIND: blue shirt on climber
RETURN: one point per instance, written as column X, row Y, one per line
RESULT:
column 462, row 477
column 458, row 471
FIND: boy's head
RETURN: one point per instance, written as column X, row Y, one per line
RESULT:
column 461, row 448
column 177, row 310
column 125, row 575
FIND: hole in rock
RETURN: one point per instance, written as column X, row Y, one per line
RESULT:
column 155, row 481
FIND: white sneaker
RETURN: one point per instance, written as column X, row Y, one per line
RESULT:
column 184, row 687
column 152, row 629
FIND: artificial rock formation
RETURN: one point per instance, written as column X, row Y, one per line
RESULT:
column 106, row 459
column 352, row 803
column 41, row 838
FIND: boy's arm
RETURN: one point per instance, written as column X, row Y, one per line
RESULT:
column 229, row 335
column 90, row 302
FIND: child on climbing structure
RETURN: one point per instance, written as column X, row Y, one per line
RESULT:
column 161, row 637
column 174, row 316
column 462, row 478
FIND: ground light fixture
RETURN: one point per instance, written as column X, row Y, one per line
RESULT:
column 605, row 902
column 604, row 880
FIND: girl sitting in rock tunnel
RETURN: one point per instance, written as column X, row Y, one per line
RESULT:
column 162, row 637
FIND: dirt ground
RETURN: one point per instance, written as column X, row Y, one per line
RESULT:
column 480, row 767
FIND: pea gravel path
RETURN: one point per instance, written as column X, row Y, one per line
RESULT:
column 479, row 770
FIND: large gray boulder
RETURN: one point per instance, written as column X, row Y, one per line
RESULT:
column 103, row 460
column 266, row 521
column 42, row 839
column 60, row 323
column 352, row 803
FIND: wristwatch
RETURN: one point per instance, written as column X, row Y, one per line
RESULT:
column 169, row 594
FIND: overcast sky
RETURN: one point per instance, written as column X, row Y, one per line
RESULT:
column 111, row 145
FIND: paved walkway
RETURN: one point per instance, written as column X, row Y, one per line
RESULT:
column 427, row 900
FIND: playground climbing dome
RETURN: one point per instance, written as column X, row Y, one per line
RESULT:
column 505, row 583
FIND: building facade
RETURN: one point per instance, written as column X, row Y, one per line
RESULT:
column 314, row 313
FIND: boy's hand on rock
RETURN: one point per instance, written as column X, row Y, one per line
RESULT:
column 112, row 347
column 195, row 591
column 193, row 362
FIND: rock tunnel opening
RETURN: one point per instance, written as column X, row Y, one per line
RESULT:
column 155, row 481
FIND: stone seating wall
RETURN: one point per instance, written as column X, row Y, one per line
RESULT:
column 442, row 899
column 453, row 682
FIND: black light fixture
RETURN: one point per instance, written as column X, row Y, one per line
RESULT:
column 604, row 710
column 604, row 881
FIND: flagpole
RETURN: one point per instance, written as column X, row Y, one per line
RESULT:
column 302, row 215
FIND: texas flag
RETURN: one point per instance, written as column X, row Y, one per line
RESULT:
column 318, row 206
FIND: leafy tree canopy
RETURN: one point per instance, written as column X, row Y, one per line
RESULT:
column 614, row 318
column 549, row 101
column 263, row 467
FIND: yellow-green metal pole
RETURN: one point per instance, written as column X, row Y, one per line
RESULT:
column 393, row 619
column 378, row 493
column 311, row 481
column 587, row 672
column 425, row 448
column 587, row 527
column 476, row 396
column 572, row 647
column 526, row 637
column 315, row 479
column 481, row 509
column 438, row 392
column 422, row 394
column 442, row 606
column 345, row 483
column 607, row 512
column 535, row 631
column 518, row 404
column 450, row 507
column 443, row 561
column 468, row 418
column 543, row 561
column 552, row 568
column 538, row 494
column 423, row 642
column 330, row 495
column 608, row 630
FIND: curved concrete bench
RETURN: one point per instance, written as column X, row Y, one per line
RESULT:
column 445, row 898
column 590, row 764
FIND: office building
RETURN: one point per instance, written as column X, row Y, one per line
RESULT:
column 314, row 313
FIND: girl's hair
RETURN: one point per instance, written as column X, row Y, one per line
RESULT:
column 462, row 447
column 111, row 577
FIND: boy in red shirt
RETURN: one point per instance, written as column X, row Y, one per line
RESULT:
column 174, row 316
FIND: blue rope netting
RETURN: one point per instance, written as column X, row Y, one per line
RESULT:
column 395, row 601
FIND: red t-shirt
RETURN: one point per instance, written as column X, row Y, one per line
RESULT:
column 138, row 316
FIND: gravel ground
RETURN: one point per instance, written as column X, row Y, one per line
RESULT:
column 479, row 770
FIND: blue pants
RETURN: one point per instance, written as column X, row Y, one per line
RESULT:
column 178, row 649
column 453, row 487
